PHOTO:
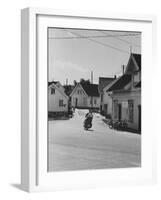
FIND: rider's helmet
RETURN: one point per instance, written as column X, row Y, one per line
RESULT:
column 90, row 110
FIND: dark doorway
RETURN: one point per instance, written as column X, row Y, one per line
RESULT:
column 76, row 102
column 119, row 112
column 106, row 109
column 101, row 108
column 139, row 117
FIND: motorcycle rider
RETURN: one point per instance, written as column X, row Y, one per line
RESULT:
column 88, row 118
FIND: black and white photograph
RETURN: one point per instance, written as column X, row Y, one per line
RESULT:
column 94, row 99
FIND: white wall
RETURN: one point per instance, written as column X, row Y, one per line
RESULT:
column 60, row 87
column 81, row 96
column 107, row 100
column 135, row 96
column 83, row 100
column 10, row 99
column 53, row 102
column 97, row 105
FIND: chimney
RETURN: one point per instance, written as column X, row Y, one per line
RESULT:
column 123, row 69
column 91, row 77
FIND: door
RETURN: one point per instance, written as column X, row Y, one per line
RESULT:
column 139, row 117
column 119, row 112
column 105, row 109
column 76, row 102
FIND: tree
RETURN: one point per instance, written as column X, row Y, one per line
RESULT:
column 83, row 81
column 75, row 82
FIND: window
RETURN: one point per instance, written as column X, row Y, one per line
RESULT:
column 131, row 110
column 61, row 103
column 101, row 97
column 136, row 77
column 115, row 106
column 79, row 92
column 95, row 101
column 91, row 101
column 52, row 90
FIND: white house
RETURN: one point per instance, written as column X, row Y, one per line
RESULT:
column 85, row 95
column 57, row 99
column 58, row 84
column 107, row 99
column 126, row 94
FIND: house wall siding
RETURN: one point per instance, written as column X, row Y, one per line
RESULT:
column 107, row 100
column 53, row 102
column 83, row 100
column 97, row 105
column 120, row 98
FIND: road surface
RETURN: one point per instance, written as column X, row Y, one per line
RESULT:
column 73, row 148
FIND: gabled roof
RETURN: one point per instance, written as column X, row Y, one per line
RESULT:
column 103, row 82
column 55, row 82
column 138, row 85
column 110, row 84
column 91, row 89
column 137, row 59
column 120, row 83
column 134, row 63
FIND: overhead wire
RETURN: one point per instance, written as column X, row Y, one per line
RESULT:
column 95, row 36
column 90, row 38
column 123, row 40
column 100, row 43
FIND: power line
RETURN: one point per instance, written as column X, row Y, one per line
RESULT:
column 96, row 36
column 101, row 43
column 123, row 40
column 116, row 73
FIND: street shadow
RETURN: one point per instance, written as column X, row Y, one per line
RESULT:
column 90, row 130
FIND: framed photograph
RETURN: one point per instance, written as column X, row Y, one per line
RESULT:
column 86, row 114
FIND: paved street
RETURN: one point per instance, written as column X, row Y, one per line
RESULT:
column 73, row 148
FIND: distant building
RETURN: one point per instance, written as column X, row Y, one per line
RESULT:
column 57, row 99
column 68, row 90
column 105, row 101
column 85, row 95
column 126, row 94
column 58, row 84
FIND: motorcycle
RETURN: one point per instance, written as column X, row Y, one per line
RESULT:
column 87, row 123
column 118, row 125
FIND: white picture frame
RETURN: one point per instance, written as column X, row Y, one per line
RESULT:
column 34, row 175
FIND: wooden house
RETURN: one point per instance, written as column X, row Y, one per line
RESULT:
column 126, row 94
column 57, row 99
column 105, row 100
column 85, row 96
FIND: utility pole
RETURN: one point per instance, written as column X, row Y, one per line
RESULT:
column 91, row 83
column 123, row 69
column 91, row 77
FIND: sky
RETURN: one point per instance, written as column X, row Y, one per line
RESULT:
column 74, row 53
